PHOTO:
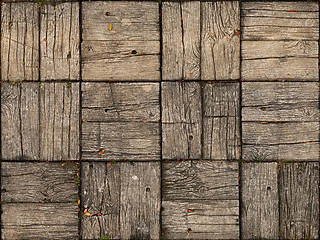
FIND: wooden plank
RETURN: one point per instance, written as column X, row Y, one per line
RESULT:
column 260, row 203
column 20, row 121
column 181, row 120
column 124, row 199
column 299, row 200
column 284, row 141
column 199, row 180
column 59, row 42
column 280, row 21
column 181, row 40
column 221, row 124
column 39, row 221
column 220, row 40
column 59, row 126
column 200, row 219
column 19, row 42
column 120, row 102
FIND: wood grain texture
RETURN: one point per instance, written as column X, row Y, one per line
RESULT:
column 200, row 180
column 181, row 120
column 220, row 42
column 290, row 101
column 280, row 21
column 124, row 199
column 39, row 221
column 19, row 42
column 221, row 124
column 120, row 102
column 299, row 201
column 60, row 42
column 260, row 203
column 181, row 40
column 284, row 141
column 38, row 182
column 200, row 219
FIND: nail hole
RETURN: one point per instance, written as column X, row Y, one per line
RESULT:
column 133, row 52
column 90, row 166
column 147, row 189
column 106, row 110
column 3, row 190
column 107, row 13
column 268, row 188
column 190, row 137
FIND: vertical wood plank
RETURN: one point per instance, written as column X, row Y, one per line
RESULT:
column 220, row 40
column 299, row 200
column 59, row 42
column 181, row 40
column 19, row 42
column 259, row 198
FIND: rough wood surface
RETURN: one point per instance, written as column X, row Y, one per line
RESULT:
column 38, row 182
column 283, row 141
column 221, row 124
column 199, row 180
column 40, row 122
column 260, row 203
column 19, row 42
column 59, row 42
column 181, row 40
column 121, row 41
column 181, row 120
column 39, row 221
column 220, row 41
column 124, row 199
column 280, row 21
column 299, row 201
column 200, row 219
column 279, row 101
column 120, row 102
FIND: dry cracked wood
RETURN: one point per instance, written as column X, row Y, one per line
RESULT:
column 121, row 41
column 19, row 42
column 260, row 203
column 299, row 200
column 123, row 198
column 40, row 121
column 59, row 42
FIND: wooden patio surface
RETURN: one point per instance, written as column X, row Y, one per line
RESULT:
column 160, row 120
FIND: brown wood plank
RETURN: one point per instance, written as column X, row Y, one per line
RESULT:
column 181, row 120
column 181, row 40
column 221, row 124
column 124, row 199
column 38, row 182
column 200, row 179
column 280, row 21
column 19, row 42
column 299, row 201
column 260, row 203
column 220, row 40
column 39, row 221
column 59, row 42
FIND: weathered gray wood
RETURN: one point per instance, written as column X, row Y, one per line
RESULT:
column 123, row 198
column 260, row 203
column 120, row 102
column 288, row 141
column 38, row 182
column 221, row 124
column 39, row 221
column 19, row 42
column 59, row 125
column 220, row 40
column 299, row 201
column 280, row 21
column 20, row 121
column 181, row 40
column 198, row 180
column 181, row 120
column 200, row 219
column 59, row 42
column 121, row 41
